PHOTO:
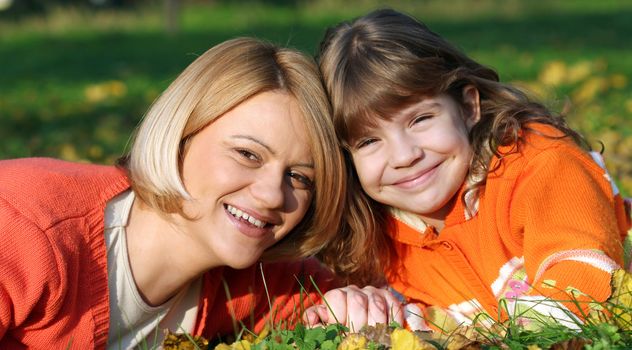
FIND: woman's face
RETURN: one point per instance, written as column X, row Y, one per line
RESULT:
column 250, row 173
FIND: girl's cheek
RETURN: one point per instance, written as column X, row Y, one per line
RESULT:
column 363, row 172
column 448, row 142
column 368, row 172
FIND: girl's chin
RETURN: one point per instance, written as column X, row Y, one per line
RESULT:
column 422, row 208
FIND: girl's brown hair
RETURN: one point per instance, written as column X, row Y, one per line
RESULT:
column 382, row 62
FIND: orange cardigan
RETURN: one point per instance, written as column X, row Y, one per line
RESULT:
column 53, row 263
column 548, row 225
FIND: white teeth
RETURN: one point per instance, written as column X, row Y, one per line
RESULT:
column 241, row 215
column 255, row 222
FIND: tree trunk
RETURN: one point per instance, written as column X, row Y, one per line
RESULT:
column 172, row 17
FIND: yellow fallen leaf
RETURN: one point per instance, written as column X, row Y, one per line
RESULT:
column 99, row 92
column 242, row 345
column 579, row 71
column 622, row 299
column 403, row 339
column 589, row 89
column 68, row 152
column 263, row 334
column 238, row 345
column 439, row 316
column 618, row 81
column 628, row 105
column 553, row 73
column 353, row 342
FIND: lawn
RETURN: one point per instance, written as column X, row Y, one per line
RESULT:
column 74, row 83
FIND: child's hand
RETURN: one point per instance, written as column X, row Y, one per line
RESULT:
column 355, row 308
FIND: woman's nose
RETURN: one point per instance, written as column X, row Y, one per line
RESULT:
column 404, row 151
column 268, row 189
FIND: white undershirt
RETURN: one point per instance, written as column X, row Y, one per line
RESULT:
column 134, row 323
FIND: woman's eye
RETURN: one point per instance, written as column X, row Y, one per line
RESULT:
column 300, row 181
column 248, row 155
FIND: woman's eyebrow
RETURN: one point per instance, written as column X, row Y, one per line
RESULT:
column 253, row 139
column 264, row 145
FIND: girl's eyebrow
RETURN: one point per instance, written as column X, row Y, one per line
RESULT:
column 429, row 104
column 417, row 107
column 264, row 145
column 433, row 104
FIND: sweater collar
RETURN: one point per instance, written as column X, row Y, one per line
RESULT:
column 411, row 227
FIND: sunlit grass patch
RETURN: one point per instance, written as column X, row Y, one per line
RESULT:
column 595, row 98
column 609, row 326
column 58, row 68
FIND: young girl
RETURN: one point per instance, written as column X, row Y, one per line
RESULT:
column 467, row 197
column 236, row 162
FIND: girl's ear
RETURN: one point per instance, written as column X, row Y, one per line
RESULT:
column 472, row 106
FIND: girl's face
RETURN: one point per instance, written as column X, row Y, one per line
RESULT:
column 418, row 160
column 251, row 175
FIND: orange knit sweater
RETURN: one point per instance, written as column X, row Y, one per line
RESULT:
column 548, row 225
column 53, row 263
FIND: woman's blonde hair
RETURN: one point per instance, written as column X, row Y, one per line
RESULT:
column 217, row 81
column 376, row 65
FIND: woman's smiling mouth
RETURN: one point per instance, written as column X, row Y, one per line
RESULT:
column 238, row 214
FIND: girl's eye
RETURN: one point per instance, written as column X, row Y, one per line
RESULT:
column 248, row 155
column 365, row 142
column 300, row 181
column 421, row 118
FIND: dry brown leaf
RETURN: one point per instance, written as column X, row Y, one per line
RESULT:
column 379, row 334
column 176, row 341
column 461, row 342
column 571, row 344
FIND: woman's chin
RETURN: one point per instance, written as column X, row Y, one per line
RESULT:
column 240, row 264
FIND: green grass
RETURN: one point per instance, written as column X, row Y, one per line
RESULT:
column 73, row 84
column 607, row 326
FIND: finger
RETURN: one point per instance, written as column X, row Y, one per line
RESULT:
column 323, row 314
column 316, row 316
column 395, row 309
column 310, row 316
column 357, row 310
column 336, row 301
column 414, row 318
column 378, row 310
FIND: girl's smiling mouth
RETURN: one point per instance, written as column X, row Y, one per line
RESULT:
column 417, row 179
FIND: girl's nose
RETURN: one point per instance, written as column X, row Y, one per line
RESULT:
column 268, row 189
column 404, row 152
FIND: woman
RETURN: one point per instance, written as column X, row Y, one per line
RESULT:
column 236, row 162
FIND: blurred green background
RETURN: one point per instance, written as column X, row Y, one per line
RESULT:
column 77, row 76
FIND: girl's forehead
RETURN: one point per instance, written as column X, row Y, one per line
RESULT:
column 362, row 124
column 422, row 103
column 414, row 105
